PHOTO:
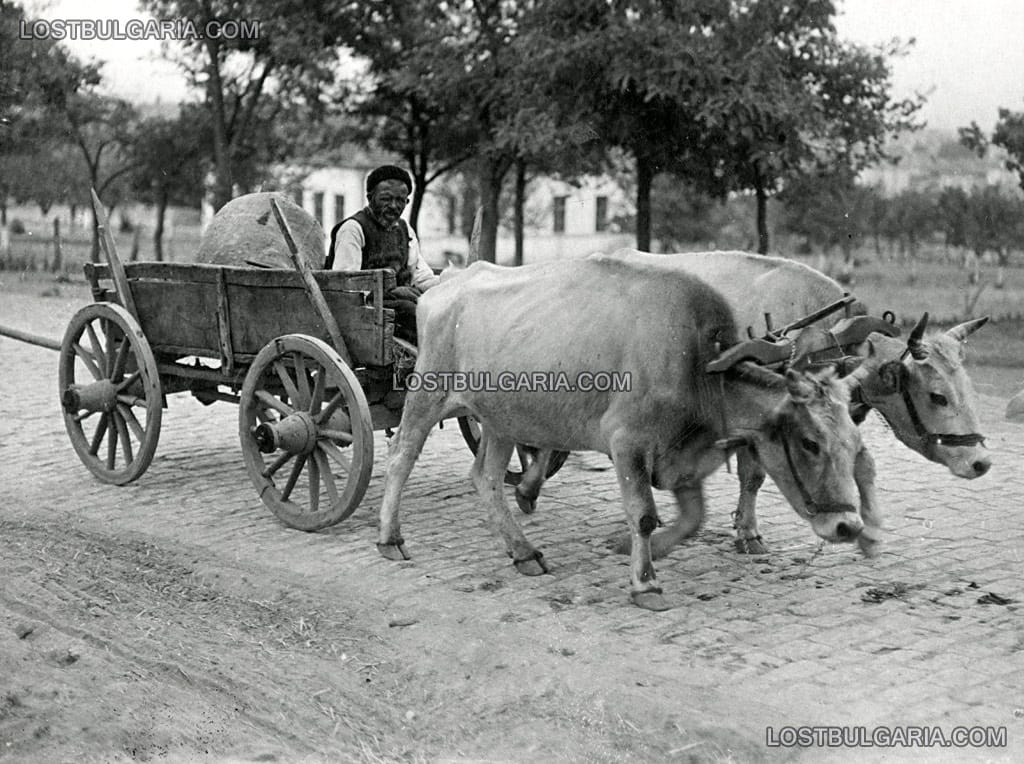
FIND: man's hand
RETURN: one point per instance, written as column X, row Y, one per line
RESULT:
column 405, row 293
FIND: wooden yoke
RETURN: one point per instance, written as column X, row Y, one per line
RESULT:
column 316, row 297
column 124, row 292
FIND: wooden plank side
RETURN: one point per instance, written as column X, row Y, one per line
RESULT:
column 179, row 314
column 227, row 356
column 355, row 281
column 260, row 314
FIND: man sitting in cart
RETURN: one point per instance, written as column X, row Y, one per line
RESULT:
column 378, row 237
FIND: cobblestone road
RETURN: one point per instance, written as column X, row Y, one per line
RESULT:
column 930, row 633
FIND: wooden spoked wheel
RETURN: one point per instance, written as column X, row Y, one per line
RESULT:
column 306, row 432
column 523, row 456
column 110, row 392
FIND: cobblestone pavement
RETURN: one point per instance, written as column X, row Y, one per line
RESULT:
column 930, row 633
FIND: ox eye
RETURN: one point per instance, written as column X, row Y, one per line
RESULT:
column 810, row 446
column 939, row 400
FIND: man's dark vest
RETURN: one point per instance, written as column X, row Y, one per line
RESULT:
column 382, row 247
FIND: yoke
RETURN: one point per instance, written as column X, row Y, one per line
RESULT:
column 810, row 345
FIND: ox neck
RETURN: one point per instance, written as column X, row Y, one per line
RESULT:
column 746, row 405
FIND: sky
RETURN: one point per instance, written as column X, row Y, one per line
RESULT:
column 968, row 55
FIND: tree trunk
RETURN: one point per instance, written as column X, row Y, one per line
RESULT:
column 520, row 203
column 158, row 230
column 492, row 173
column 762, row 215
column 5, row 232
column 58, row 250
column 223, row 182
column 644, row 182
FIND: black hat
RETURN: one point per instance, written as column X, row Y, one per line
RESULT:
column 387, row 172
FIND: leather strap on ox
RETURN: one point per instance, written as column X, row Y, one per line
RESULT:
column 950, row 439
column 813, row 508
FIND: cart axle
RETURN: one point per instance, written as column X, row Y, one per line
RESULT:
column 96, row 396
column 296, row 434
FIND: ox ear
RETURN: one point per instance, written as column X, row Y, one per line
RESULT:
column 961, row 332
column 891, row 375
column 801, row 389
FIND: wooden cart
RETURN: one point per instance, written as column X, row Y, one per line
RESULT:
column 309, row 357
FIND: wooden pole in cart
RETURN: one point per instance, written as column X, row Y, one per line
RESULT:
column 32, row 339
column 116, row 269
column 316, row 297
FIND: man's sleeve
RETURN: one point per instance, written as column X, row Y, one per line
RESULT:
column 423, row 275
column 348, row 247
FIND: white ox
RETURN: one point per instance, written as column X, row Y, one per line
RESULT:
column 919, row 386
column 668, row 430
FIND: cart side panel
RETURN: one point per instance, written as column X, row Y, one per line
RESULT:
column 179, row 304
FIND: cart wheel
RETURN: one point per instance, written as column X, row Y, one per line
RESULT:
column 470, row 429
column 110, row 392
column 306, row 432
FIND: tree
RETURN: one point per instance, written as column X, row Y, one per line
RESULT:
column 803, row 101
column 39, row 80
column 1008, row 135
column 829, row 210
column 250, row 83
column 734, row 96
column 102, row 128
column 405, row 103
column 993, row 224
column 169, row 163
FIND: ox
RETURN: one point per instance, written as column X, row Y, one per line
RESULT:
column 669, row 430
column 919, row 387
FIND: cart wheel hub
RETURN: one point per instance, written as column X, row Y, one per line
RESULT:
column 96, row 396
column 296, row 434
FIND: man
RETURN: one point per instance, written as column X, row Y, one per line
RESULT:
column 377, row 237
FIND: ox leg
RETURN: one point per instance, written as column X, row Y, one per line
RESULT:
column 421, row 412
column 488, row 475
column 533, row 479
column 642, row 515
column 870, row 539
column 744, row 519
column 690, row 501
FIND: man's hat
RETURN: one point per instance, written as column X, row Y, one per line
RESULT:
column 387, row 172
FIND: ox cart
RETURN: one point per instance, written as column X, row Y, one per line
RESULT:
column 309, row 357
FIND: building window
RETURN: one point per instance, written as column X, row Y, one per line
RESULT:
column 601, row 217
column 339, row 208
column 297, row 196
column 559, row 214
column 318, row 207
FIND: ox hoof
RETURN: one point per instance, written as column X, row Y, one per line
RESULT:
column 751, row 546
column 650, row 600
column 526, row 505
column 395, row 552
column 532, row 566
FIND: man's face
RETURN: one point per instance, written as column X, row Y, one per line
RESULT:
column 387, row 200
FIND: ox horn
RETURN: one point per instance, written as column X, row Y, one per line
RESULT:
column 914, row 344
column 960, row 332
